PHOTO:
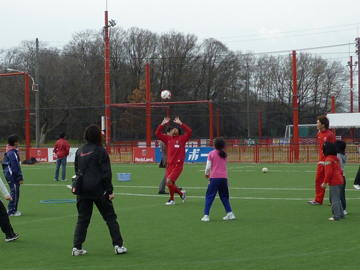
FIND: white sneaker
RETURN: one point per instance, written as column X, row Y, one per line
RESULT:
column 183, row 197
column 120, row 250
column 170, row 202
column 345, row 212
column 17, row 214
column 357, row 187
column 63, row 180
column 77, row 252
column 229, row 216
column 206, row 218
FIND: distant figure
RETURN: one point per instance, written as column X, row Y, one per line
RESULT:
column 357, row 178
column 93, row 162
column 13, row 174
column 324, row 135
column 218, row 182
column 5, row 224
column 61, row 149
column 334, row 178
column 163, row 162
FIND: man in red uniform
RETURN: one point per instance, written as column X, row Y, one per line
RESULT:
column 324, row 135
column 175, row 150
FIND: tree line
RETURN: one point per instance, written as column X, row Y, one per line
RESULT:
column 240, row 84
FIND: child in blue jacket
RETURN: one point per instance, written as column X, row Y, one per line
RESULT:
column 12, row 171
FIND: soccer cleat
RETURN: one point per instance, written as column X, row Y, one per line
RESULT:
column 16, row 214
column 357, row 187
column 170, row 202
column 63, row 180
column 55, row 180
column 183, row 197
column 314, row 203
column 163, row 192
column 120, row 250
column 12, row 238
column 206, row 218
column 333, row 219
column 77, row 252
column 229, row 216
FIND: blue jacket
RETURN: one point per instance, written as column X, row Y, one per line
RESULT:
column 11, row 166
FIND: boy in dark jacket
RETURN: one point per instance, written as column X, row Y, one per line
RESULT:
column 12, row 171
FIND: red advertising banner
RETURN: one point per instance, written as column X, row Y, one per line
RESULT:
column 41, row 154
column 144, row 155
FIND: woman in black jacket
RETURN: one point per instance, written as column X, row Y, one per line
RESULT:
column 93, row 162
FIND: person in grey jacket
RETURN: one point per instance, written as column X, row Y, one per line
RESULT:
column 340, row 149
column 5, row 224
column 93, row 162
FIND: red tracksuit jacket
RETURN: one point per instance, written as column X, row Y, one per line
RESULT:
column 175, row 145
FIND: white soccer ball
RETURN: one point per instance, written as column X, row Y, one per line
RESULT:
column 165, row 94
column 264, row 170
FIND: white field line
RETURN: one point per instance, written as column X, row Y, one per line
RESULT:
column 204, row 188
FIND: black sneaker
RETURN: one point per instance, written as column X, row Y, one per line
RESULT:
column 163, row 192
column 12, row 238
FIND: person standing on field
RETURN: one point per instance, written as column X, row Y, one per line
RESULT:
column 5, row 224
column 163, row 162
column 324, row 135
column 218, row 182
column 333, row 177
column 175, row 150
column 93, row 162
column 12, row 170
column 61, row 149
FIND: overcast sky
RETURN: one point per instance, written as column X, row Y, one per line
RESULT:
column 253, row 25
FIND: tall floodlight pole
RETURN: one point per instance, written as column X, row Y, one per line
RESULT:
column 295, row 109
column 358, row 53
column 37, row 98
column 107, row 84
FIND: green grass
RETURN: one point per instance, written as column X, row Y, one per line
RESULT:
column 275, row 228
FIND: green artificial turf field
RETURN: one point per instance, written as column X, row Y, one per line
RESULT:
column 275, row 227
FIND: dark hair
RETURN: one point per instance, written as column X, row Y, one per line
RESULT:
column 219, row 144
column 93, row 134
column 324, row 120
column 329, row 149
column 62, row 135
column 178, row 128
column 168, row 129
column 12, row 139
column 340, row 146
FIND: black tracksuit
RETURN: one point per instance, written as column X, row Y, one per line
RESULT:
column 94, row 163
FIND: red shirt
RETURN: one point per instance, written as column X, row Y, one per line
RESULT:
column 325, row 136
column 175, row 145
column 333, row 172
column 61, row 148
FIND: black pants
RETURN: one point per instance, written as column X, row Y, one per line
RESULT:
column 5, row 221
column 106, row 209
column 357, row 178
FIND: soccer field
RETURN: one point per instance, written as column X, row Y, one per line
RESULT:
column 275, row 227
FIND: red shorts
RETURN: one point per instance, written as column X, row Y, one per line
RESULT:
column 173, row 171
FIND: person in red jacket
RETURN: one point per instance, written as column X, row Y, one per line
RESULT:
column 175, row 150
column 324, row 135
column 333, row 178
column 61, row 150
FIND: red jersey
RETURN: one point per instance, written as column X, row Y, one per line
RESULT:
column 62, row 148
column 175, row 145
column 333, row 172
column 325, row 136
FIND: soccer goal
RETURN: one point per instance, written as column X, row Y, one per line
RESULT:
column 305, row 130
